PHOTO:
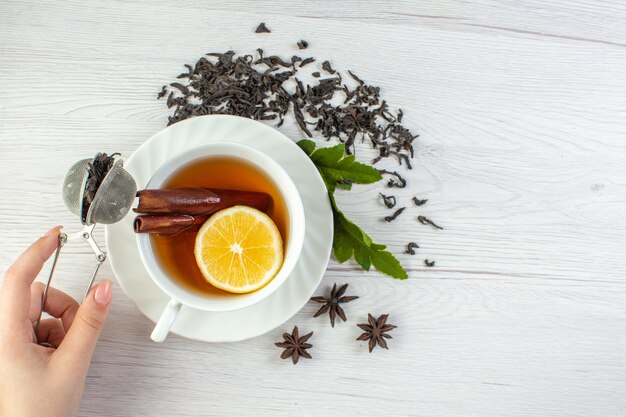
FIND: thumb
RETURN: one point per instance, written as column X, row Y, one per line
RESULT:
column 80, row 341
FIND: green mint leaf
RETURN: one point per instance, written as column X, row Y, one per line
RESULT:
column 338, row 169
column 386, row 263
column 362, row 257
column 329, row 155
column 308, row 146
column 348, row 226
column 326, row 158
column 342, row 245
column 349, row 240
column 344, row 185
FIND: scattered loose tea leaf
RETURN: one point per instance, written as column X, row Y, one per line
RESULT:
column 316, row 74
column 307, row 61
column 410, row 248
column 355, row 78
column 183, row 89
column 326, row 67
column 295, row 345
column 429, row 263
column 402, row 158
column 376, row 331
column 303, row 44
column 394, row 215
column 426, row 220
column 262, row 28
column 263, row 89
column 295, row 59
column 163, row 92
column 331, row 303
column 419, row 202
column 388, row 200
column 399, row 182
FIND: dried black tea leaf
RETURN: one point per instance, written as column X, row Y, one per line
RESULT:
column 163, row 92
column 394, row 215
column 428, row 263
column 186, row 74
column 306, row 61
column 97, row 170
column 183, row 89
column 388, row 200
column 426, row 220
column 262, row 28
column 355, row 78
column 410, row 248
column 303, row 44
column 402, row 158
column 419, row 202
column 326, row 67
column 399, row 182
column 261, row 89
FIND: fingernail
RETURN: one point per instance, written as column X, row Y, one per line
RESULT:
column 54, row 230
column 103, row 293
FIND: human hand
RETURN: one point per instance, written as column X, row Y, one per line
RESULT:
column 37, row 381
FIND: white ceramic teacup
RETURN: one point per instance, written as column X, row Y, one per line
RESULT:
column 181, row 296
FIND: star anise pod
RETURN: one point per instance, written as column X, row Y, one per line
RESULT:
column 332, row 303
column 375, row 331
column 295, row 345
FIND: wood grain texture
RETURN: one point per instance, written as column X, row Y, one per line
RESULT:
column 521, row 108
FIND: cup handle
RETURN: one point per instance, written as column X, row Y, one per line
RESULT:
column 166, row 320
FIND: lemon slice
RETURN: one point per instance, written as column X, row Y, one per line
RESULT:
column 239, row 249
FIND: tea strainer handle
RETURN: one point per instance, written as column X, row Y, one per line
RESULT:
column 87, row 235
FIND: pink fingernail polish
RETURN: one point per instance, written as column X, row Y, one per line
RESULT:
column 103, row 292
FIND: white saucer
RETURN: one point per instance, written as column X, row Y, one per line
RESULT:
column 283, row 303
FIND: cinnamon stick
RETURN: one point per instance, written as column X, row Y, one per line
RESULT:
column 167, row 224
column 197, row 201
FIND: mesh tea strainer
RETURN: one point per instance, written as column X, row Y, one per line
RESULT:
column 111, row 202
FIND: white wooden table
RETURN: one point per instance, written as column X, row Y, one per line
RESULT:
column 521, row 107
